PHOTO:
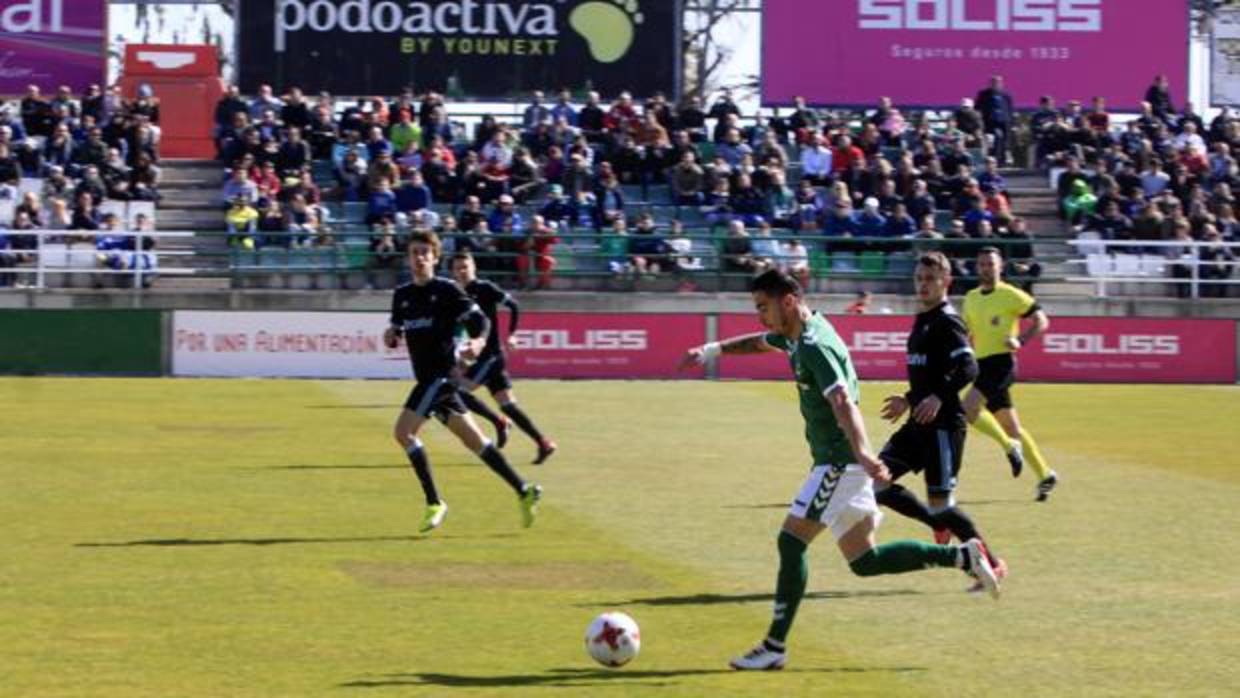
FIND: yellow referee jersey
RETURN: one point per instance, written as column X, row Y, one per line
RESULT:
column 994, row 316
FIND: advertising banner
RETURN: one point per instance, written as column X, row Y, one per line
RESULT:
column 51, row 43
column 482, row 48
column 1133, row 350
column 284, row 345
column 1081, row 350
column 586, row 345
column 350, row 345
column 1225, row 58
column 934, row 52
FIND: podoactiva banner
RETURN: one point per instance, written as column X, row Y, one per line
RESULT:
column 484, row 48
column 1076, row 349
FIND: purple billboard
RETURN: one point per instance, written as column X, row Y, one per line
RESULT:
column 51, row 43
column 931, row 53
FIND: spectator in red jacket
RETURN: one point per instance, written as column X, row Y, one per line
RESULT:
column 844, row 154
column 537, row 251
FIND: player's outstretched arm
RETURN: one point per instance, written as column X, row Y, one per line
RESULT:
column 848, row 416
column 744, row 344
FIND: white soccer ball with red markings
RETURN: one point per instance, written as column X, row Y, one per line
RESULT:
column 613, row 639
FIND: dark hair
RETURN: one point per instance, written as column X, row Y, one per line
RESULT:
column 425, row 237
column 461, row 256
column 776, row 284
column 990, row 250
column 935, row 260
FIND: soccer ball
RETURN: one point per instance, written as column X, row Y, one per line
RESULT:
column 613, row 639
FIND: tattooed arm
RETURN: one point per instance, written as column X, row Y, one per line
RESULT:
column 744, row 344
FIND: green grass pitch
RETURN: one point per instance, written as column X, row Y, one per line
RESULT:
column 257, row 538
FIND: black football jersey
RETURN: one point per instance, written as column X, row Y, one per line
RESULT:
column 429, row 316
column 489, row 298
column 940, row 362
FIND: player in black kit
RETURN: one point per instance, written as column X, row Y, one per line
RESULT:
column 931, row 442
column 428, row 312
column 490, row 368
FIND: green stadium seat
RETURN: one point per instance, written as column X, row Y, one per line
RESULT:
column 355, row 255
column 845, row 262
column 273, row 258
column 900, row 265
column 873, row 263
column 819, row 263
column 565, row 259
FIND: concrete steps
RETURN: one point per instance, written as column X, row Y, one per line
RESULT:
column 192, row 283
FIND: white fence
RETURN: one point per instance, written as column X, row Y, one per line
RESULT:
column 64, row 254
column 1112, row 262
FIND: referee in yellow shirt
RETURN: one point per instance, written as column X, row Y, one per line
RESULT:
column 993, row 312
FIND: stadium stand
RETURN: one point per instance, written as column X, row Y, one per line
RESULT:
column 1147, row 198
column 481, row 181
column 320, row 192
column 79, row 176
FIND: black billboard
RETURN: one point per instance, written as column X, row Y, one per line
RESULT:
column 480, row 48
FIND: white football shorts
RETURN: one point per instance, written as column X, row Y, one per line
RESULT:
column 837, row 498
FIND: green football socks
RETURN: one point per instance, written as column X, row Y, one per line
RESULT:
column 790, row 586
column 904, row 556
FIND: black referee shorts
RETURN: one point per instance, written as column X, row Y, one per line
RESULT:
column 437, row 398
column 934, row 452
column 995, row 376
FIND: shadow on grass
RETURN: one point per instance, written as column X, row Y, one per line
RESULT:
column 783, row 505
column 714, row 599
column 389, row 406
column 580, row 677
column 388, row 466
column 995, row 502
column 192, row 542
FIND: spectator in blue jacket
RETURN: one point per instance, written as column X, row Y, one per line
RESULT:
column 899, row 223
column 841, row 221
column 995, row 104
column 381, row 205
column 870, row 222
column 747, row 203
column 414, row 195
column 558, row 209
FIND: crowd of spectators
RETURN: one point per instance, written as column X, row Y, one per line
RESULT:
column 63, row 159
column 1165, row 175
column 783, row 188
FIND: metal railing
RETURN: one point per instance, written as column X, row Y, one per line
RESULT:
column 699, row 255
column 67, row 252
column 1110, row 262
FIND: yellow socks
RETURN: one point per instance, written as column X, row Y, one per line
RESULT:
column 988, row 425
column 1033, row 455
